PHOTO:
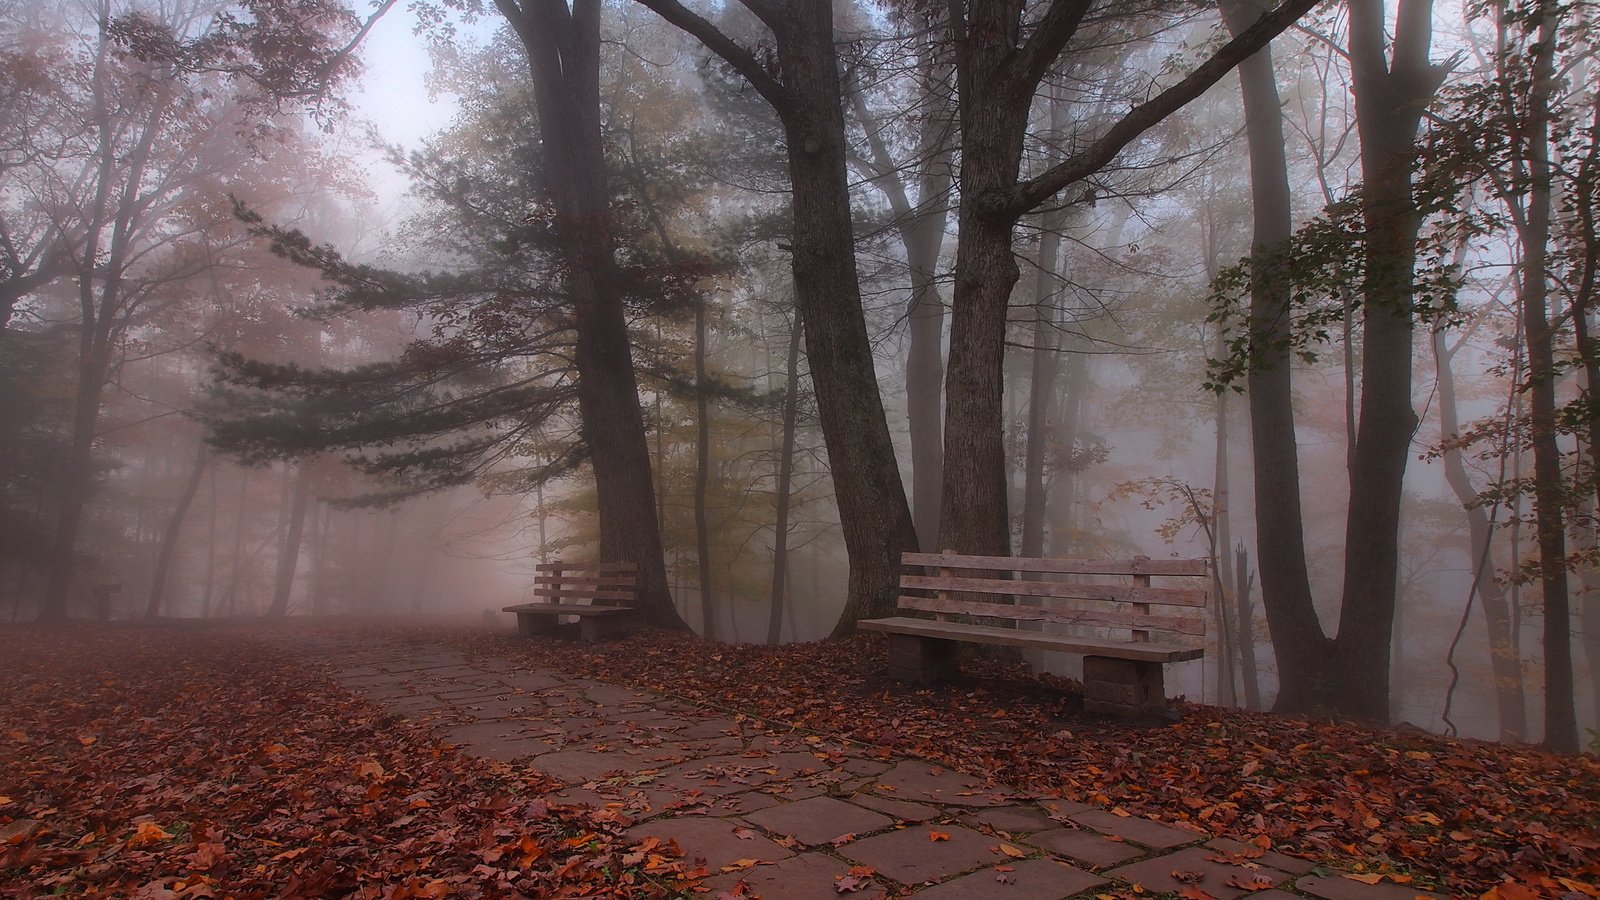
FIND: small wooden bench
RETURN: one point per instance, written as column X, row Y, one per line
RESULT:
column 1122, row 666
column 593, row 595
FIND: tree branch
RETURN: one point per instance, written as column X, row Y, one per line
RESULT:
column 742, row 60
column 1029, row 194
column 1049, row 38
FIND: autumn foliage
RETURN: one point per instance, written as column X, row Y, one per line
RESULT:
column 204, row 763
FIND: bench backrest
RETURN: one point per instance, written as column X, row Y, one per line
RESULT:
column 586, row 584
column 956, row 585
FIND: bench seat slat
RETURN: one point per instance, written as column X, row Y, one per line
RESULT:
column 618, row 580
column 566, row 609
column 1141, row 566
column 1121, row 593
column 1012, row 637
column 589, row 593
column 1082, row 617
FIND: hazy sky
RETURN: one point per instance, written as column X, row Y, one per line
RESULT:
column 393, row 95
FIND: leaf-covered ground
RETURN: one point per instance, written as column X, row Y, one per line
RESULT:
column 1416, row 808
column 199, row 763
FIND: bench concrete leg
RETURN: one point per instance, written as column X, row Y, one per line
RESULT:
column 534, row 624
column 920, row 660
column 595, row 628
column 1122, row 687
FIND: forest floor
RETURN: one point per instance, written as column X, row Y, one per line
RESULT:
column 208, row 761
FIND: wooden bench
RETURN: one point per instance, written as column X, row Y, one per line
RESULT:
column 1122, row 666
column 593, row 595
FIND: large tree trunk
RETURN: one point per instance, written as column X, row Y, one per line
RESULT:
column 1297, row 637
column 77, row 478
column 1505, row 658
column 780, row 529
column 169, row 538
column 873, row 513
column 563, row 51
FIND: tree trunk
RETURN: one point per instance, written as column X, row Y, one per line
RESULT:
column 289, row 550
column 1046, row 361
column 77, row 478
column 1560, row 717
column 211, row 552
column 702, row 474
column 1505, row 658
column 1244, row 583
column 1297, row 637
column 169, row 538
column 780, row 532
column 873, row 512
column 563, row 51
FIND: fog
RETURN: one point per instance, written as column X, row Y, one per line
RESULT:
column 335, row 332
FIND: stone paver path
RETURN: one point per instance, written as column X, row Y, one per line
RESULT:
column 790, row 814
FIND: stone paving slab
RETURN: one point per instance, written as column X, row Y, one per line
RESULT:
column 1029, row 879
column 771, row 806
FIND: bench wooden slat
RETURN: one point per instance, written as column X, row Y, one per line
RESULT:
column 620, row 580
column 1140, row 566
column 566, row 609
column 1122, row 593
column 585, row 594
column 1013, row 637
column 591, row 568
column 1084, row 617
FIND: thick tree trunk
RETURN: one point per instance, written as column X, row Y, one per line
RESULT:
column 994, row 117
column 780, row 532
column 169, row 538
column 1297, row 637
column 702, row 475
column 563, row 50
column 1505, row 658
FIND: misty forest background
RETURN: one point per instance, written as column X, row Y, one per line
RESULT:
column 762, row 294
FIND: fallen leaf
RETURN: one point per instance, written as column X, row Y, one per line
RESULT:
column 1013, row 852
column 1251, row 883
column 938, row 835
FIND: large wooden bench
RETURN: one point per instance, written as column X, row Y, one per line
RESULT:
column 1111, row 625
column 594, row 595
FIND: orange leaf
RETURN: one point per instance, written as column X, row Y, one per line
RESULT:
column 1194, row 892
column 1252, row 883
column 148, row 833
column 1011, row 851
column 938, row 835
column 1369, row 878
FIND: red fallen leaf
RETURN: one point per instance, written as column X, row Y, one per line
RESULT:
column 740, row 865
column 148, row 833
column 849, row 884
column 1183, row 877
column 744, row 834
column 842, row 839
column 938, row 835
column 1007, row 849
column 1191, row 892
column 1366, row 878
column 1252, row 883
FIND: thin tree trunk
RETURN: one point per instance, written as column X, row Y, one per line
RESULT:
column 1560, row 718
column 702, row 474
column 236, row 571
column 1244, row 583
column 780, row 533
column 289, row 550
column 169, row 539
column 211, row 551
column 1505, row 659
